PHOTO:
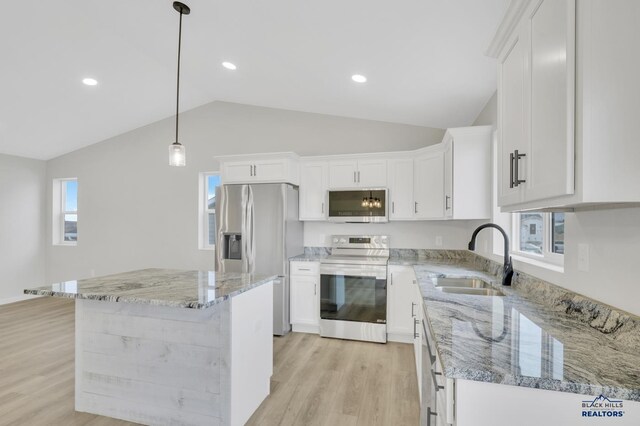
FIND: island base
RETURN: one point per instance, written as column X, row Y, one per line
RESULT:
column 165, row 365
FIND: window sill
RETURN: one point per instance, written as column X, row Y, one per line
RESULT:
column 537, row 262
column 65, row 244
column 207, row 248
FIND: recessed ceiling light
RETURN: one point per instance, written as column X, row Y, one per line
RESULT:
column 90, row 81
column 359, row 78
column 229, row 66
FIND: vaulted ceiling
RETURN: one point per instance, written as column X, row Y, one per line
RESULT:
column 424, row 60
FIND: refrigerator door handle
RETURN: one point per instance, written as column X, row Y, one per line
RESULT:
column 248, row 224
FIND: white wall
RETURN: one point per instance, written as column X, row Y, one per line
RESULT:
column 22, row 226
column 613, row 237
column 135, row 211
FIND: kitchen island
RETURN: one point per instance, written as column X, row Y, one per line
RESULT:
column 161, row 346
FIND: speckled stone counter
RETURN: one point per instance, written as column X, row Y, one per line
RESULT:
column 312, row 254
column 528, row 337
column 159, row 287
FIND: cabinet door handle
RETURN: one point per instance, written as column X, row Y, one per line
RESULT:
column 412, row 313
column 304, row 269
column 436, row 386
column 415, row 207
column 511, row 160
column 391, row 280
column 358, row 176
column 429, row 414
column 251, row 169
column 446, row 202
column 415, row 331
column 323, row 208
column 393, row 207
column 315, row 289
column 517, row 156
column 255, row 170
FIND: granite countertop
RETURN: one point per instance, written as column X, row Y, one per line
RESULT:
column 515, row 340
column 309, row 257
column 160, row 287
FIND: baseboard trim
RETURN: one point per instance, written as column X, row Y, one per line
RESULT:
column 304, row 328
column 399, row 337
column 8, row 300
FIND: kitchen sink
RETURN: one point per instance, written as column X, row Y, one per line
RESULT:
column 462, row 283
column 471, row 291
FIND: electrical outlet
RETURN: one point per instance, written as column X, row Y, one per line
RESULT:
column 583, row 257
column 438, row 241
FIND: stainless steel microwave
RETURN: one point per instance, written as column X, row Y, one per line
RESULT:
column 358, row 206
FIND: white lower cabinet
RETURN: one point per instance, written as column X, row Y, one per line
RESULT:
column 304, row 295
column 417, row 334
column 400, row 303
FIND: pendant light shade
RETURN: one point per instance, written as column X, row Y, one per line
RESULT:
column 177, row 153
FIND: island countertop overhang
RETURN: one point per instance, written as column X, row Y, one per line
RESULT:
column 159, row 287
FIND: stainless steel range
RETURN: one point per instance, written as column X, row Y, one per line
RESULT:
column 353, row 288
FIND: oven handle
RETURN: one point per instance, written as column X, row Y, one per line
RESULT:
column 378, row 273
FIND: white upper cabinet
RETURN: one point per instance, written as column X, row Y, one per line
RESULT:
column 259, row 168
column 343, row 173
column 536, row 73
column 372, row 173
column 401, row 189
column 467, row 172
column 428, row 184
column 448, row 178
column 551, row 30
column 566, row 96
column 314, row 181
column 357, row 173
column 512, row 68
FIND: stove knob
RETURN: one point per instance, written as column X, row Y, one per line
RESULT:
column 343, row 240
column 335, row 241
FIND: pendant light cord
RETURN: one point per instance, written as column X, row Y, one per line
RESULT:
column 178, row 79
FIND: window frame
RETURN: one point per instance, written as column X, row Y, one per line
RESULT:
column 204, row 211
column 59, row 211
column 547, row 256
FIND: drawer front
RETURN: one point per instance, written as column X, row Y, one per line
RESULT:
column 305, row 268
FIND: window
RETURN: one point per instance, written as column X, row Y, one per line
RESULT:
column 208, row 184
column 539, row 236
column 65, row 211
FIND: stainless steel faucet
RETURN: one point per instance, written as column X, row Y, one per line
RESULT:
column 507, row 269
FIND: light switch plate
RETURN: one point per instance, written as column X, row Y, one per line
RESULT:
column 583, row 257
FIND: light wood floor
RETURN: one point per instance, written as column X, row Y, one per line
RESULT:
column 315, row 381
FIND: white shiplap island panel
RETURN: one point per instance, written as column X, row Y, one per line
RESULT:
column 157, row 363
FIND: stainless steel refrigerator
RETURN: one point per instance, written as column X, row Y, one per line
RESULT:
column 257, row 231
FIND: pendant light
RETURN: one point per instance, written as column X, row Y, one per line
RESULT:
column 177, row 155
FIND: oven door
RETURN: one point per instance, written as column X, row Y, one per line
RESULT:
column 353, row 302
